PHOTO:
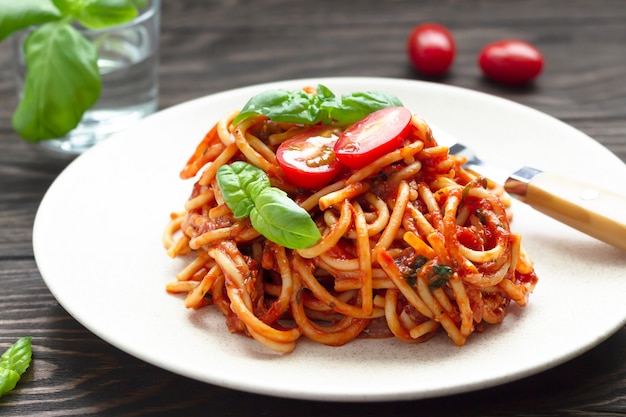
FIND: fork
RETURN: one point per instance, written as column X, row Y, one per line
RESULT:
column 598, row 212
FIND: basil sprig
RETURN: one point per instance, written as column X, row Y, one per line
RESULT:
column 13, row 363
column 298, row 106
column 247, row 192
column 62, row 79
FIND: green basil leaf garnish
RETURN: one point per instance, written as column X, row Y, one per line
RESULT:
column 354, row 107
column 247, row 192
column 281, row 220
column 241, row 183
column 282, row 106
column 297, row 106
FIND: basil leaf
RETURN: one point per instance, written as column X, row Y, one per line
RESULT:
column 324, row 92
column 247, row 192
column 62, row 82
column 18, row 15
column 13, row 363
column 17, row 357
column 281, row 220
column 301, row 107
column 282, row 106
column 139, row 3
column 8, row 380
column 98, row 14
column 68, row 7
column 354, row 107
column 241, row 184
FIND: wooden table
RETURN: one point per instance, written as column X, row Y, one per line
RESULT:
column 210, row 46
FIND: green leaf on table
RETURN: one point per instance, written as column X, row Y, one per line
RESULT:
column 20, row 14
column 8, row 380
column 98, row 14
column 13, row 363
column 17, row 357
column 62, row 82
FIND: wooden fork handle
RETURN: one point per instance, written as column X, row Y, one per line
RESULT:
column 597, row 212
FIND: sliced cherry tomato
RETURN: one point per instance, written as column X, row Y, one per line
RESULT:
column 511, row 62
column 376, row 135
column 431, row 49
column 308, row 159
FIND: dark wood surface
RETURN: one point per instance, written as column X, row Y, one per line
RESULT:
column 210, row 46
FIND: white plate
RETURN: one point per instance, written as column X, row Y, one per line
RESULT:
column 97, row 241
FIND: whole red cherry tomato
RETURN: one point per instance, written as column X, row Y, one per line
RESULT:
column 375, row 135
column 431, row 49
column 308, row 159
column 511, row 61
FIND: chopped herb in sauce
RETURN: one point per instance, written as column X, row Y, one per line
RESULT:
column 439, row 276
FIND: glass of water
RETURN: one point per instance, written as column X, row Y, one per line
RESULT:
column 128, row 58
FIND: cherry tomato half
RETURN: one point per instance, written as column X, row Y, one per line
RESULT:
column 510, row 61
column 431, row 49
column 376, row 135
column 308, row 159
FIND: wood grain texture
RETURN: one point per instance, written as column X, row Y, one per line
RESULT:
column 211, row 46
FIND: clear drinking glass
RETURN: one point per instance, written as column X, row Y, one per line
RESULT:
column 128, row 58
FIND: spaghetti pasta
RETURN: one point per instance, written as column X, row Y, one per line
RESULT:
column 411, row 243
